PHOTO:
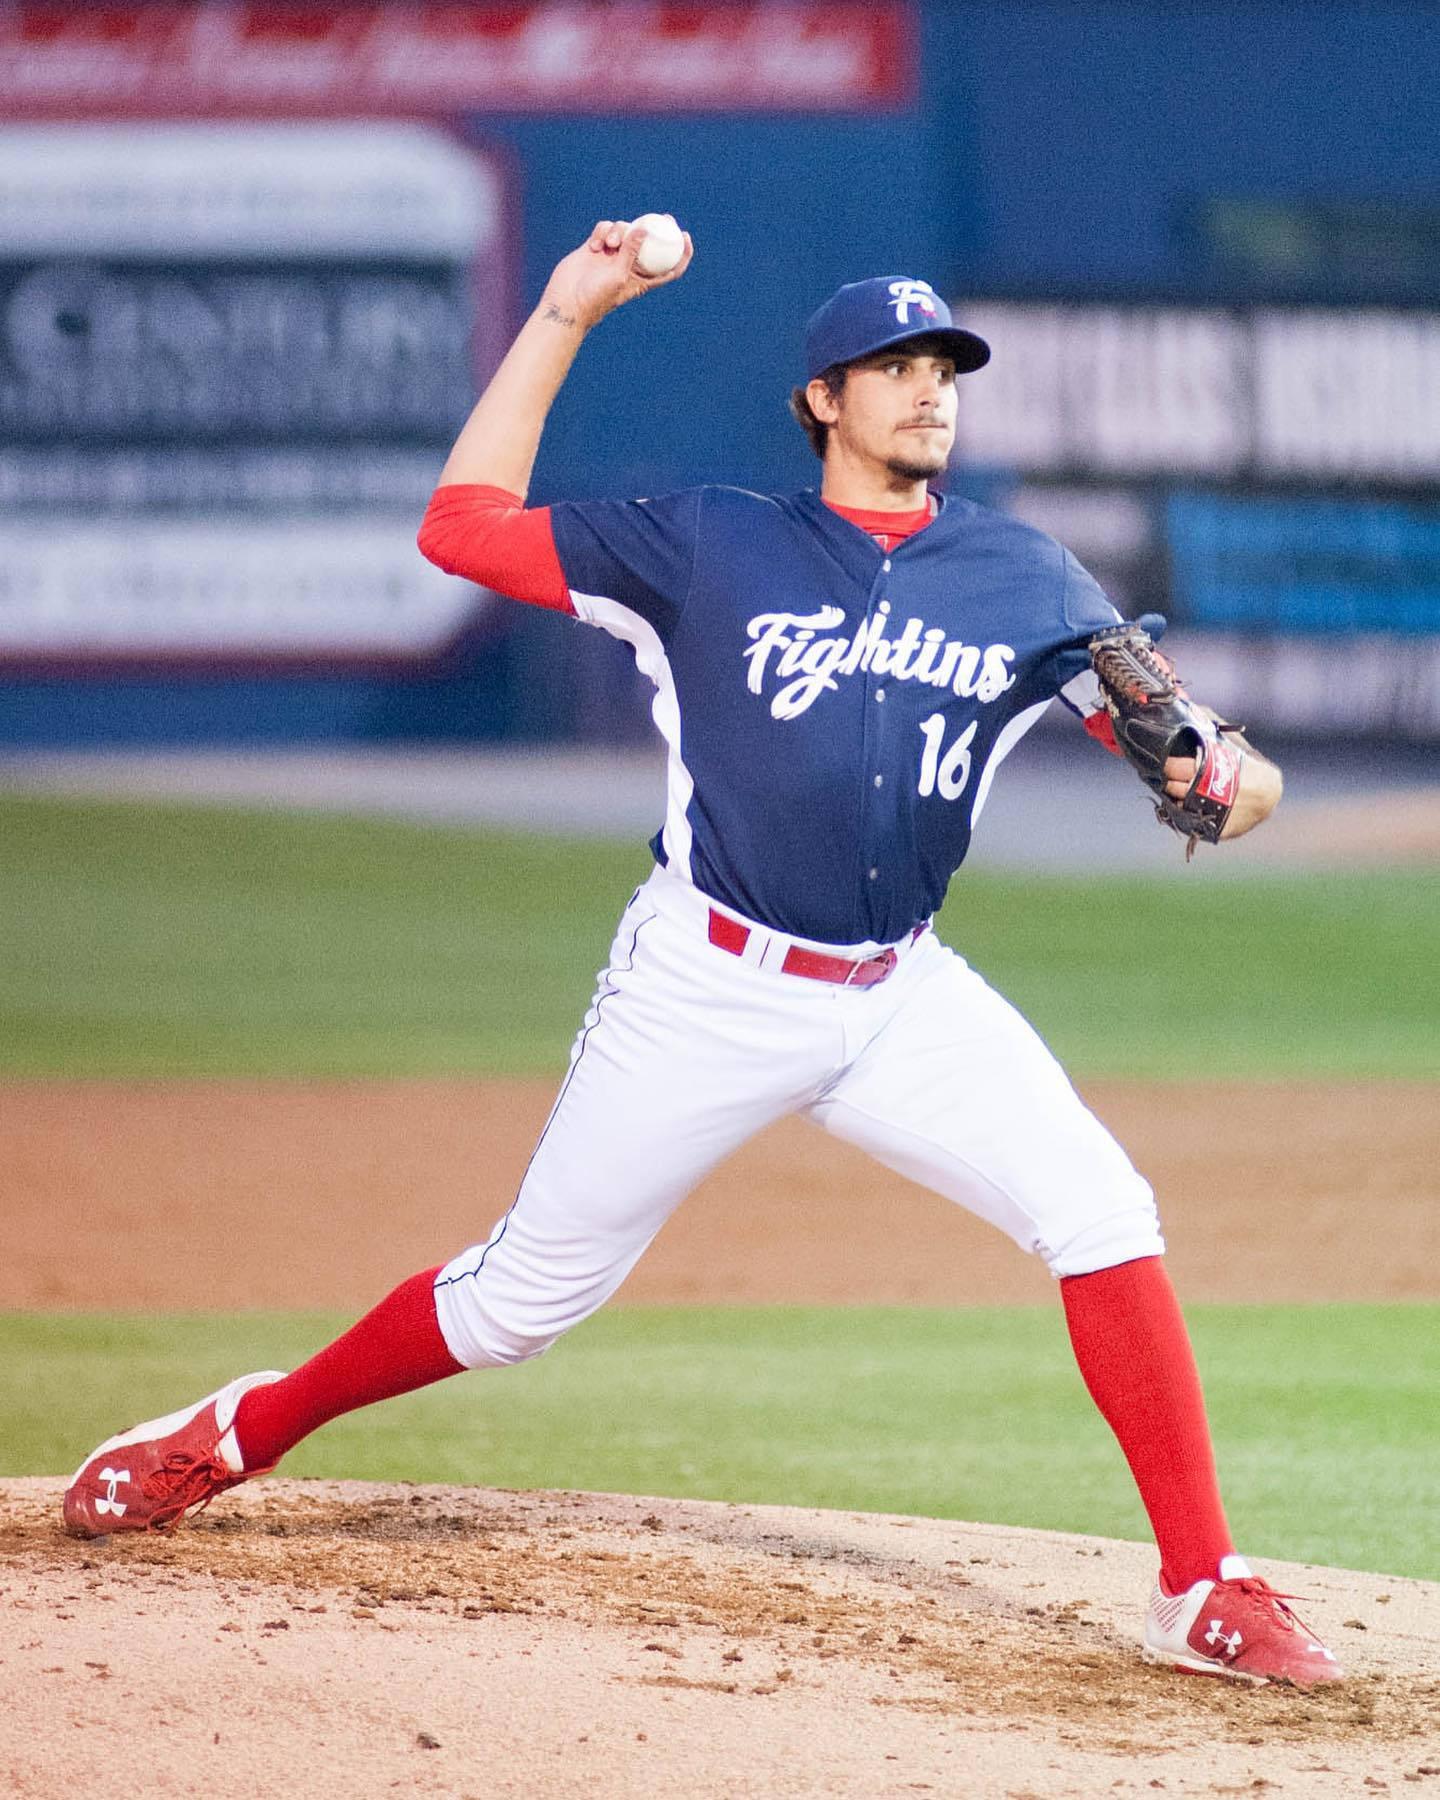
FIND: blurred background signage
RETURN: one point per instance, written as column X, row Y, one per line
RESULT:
column 1264, row 476
column 1313, row 248
column 231, row 359
column 1318, row 394
column 252, row 59
column 257, row 255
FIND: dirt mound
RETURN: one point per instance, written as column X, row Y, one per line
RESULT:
column 309, row 1637
column 353, row 1640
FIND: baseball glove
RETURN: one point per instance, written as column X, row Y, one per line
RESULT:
column 1155, row 718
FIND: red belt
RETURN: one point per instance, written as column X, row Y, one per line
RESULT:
column 729, row 934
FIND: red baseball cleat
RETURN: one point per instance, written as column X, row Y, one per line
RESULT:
column 1237, row 1627
column 149, row 1477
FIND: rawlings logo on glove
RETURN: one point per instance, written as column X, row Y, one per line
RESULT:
column 1154, row 720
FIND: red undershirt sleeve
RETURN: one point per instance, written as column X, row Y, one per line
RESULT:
column 488, row 536
column 1101, row 727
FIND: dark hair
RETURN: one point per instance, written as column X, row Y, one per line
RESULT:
column 804, row 414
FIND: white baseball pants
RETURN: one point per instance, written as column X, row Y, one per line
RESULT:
column 688, row 1050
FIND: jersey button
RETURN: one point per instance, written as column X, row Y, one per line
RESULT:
column 874, row 874
column 879, row 693
column 879, row 781
column 886, row 565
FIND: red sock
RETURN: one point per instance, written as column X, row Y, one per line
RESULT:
column 1134, row 1353
column 394, row 1349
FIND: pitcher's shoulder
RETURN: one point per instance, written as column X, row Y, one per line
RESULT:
column 989, row 526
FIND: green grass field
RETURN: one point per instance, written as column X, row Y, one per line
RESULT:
column 144, row 941
column 1323, row 1416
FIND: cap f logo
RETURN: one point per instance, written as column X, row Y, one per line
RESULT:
column 907, row 294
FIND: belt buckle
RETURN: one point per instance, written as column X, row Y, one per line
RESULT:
column 875, row 969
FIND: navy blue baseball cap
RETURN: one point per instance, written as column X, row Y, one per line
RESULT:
column 865, row 316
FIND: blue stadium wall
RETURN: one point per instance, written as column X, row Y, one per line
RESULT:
column 1056, row 146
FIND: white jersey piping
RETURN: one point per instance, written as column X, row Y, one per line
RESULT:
column 650, row 658
column 1010, row 735
column 1082, row 693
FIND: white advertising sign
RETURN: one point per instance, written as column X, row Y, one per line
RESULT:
column 254, row 190
column 195, row 589
column 1291, row 394
column 232, row 357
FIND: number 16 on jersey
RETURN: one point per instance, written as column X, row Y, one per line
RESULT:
column 950, row 772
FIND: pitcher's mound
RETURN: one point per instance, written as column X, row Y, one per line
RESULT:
column 350, row 1639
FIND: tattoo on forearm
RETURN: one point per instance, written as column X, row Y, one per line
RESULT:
column 554, row 313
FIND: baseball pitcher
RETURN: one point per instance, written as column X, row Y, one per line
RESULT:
column 838, row 675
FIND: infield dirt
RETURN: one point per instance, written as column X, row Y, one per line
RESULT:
column 281, row 1194
column 346, row 1639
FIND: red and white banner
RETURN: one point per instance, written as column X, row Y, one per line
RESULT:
column 239, row 58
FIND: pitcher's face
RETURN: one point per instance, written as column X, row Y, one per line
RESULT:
column 896, row 412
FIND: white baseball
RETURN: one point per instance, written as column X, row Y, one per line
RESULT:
column 664, row 244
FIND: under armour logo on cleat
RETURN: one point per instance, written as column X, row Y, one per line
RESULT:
column 106, row 1502
column 1216, row 1635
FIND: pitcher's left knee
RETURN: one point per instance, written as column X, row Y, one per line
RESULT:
column 486, row 1330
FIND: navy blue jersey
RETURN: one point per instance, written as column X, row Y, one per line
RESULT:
column 835, row 713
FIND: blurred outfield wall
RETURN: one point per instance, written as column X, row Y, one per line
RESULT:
column 254, row 261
